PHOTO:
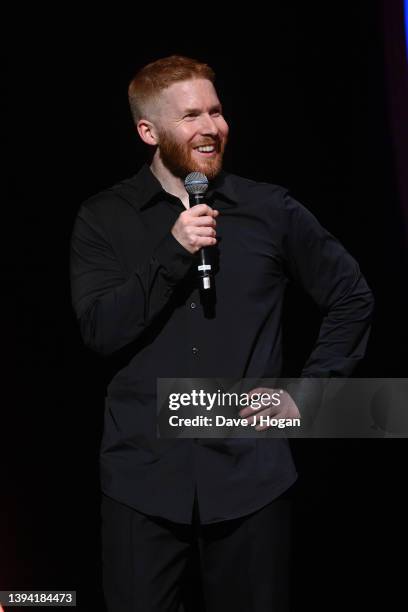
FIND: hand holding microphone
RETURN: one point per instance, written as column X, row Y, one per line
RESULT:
column 195, row 227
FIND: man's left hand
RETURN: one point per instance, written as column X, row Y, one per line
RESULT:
column 286, row 409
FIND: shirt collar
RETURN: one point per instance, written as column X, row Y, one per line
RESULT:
column 147, row 189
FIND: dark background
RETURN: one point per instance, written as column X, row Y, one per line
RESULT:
column 306, row 92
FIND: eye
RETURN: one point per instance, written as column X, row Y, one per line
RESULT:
column 190, row 115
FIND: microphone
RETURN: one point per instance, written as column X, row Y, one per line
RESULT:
column 196, row 185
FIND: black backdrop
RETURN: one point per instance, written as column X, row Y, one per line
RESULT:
column 304, row 90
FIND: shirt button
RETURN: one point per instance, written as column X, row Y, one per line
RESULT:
column 193, row 305
column 194, row 350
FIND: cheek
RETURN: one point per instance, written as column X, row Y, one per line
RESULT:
column 223, row 127
column 187, row 135
column 179, row 134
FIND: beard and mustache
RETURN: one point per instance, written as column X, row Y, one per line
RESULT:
column 178, row 158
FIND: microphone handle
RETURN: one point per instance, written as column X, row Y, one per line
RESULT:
column 204, row 267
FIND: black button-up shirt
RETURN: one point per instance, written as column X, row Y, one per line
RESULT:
column 135, row 293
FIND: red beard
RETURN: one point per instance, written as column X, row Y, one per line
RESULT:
column 178, row 158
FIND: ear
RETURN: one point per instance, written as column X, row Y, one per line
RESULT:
column 147, row 132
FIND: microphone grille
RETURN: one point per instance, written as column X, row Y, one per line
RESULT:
column 196, row 182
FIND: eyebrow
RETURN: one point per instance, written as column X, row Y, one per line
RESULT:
column 216, row 107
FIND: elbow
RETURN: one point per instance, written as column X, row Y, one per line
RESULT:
column 371, row 304
column 368, row 302
column 92, row 341
column 93, row 336
column 362, row 305
column 361, row 298
column 358, row 304
column 103, row 336
column 105, row 332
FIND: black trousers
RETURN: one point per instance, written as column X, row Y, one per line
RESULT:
column 243, row 562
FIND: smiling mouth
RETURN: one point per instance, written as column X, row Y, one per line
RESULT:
column 206, row 150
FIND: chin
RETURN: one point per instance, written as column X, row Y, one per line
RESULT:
column 211, row 170
column 211, row 173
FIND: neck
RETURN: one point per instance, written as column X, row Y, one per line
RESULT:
column 170, row 183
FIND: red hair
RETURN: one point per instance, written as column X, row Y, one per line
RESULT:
column 153, row 78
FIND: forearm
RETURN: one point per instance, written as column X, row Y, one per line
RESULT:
column 343, row 334
column 121, row 315
column 114, row 310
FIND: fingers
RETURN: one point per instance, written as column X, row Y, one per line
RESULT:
column 202, row 209
column 255, row 419
column 205, row 231
column 204, row 241
column 267, row 399
column 281, row 405
column 204, row 220
column 195, row 228
column 199, row 215
column 198, row 242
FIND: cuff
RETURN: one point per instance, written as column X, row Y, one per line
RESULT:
column 173, row 257
column 307, row 393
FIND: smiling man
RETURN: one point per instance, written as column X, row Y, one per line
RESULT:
column 136, row 295
column 188, row 126
column 185, row 126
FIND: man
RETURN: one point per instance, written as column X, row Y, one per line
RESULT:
column 136, row 296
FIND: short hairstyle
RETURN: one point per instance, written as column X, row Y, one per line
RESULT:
column 156, row 76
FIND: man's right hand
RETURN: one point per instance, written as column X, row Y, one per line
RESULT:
column 195, row 227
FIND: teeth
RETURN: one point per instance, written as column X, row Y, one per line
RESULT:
column 207, row 149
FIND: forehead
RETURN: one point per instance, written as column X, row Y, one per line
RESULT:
column 195, row 93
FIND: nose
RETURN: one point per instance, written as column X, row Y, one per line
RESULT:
column 208, row 125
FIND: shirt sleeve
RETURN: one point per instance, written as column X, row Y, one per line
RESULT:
column 328, row 273
column 113, row 309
